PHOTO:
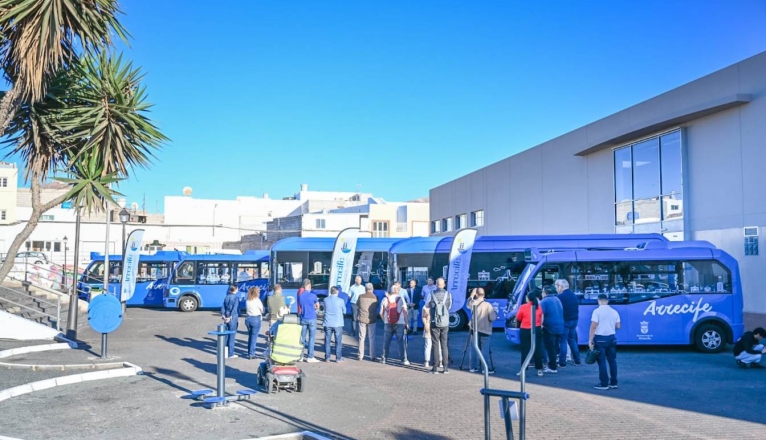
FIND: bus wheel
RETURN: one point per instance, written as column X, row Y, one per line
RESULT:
column 188, row 304
column 709, row 338
column 457, row 320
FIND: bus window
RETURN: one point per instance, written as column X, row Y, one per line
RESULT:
column 152, row 271
column 265, row 271
column 290, row 274
column 319, row 263
column 213, row 272
column 706, row 276
column 246, row 271
column 185, row 273
column 95, row 273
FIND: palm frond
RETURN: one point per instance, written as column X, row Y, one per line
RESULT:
column 41, row 37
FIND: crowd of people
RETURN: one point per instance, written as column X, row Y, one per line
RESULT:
column 555, row 322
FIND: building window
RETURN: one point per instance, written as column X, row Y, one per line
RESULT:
column 436, row 227
column 57, row 246
column 648, row 185
column 379, row 229
column 447, row 224
column 2, row 215
column 461, row 221
column 477, row 218
column 3, row 182
column 48, row 218
column 320, row 222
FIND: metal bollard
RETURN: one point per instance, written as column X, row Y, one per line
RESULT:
column 221, row 367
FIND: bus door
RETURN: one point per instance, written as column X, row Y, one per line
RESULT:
column 149, row 282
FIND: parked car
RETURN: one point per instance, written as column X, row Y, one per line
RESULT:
column 31, row 258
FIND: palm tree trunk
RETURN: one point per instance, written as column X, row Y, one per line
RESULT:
column 8, row 106
column 38, row 209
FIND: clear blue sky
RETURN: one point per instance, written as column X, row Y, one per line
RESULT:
column 401, row 96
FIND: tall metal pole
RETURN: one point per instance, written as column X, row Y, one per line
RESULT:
column 107, row 269
column 71, row 325
column 63, row 269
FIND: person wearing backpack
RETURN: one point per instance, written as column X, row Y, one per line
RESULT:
column 438, row 310
column 393, row 312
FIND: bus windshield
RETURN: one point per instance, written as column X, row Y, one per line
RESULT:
column 523, row 278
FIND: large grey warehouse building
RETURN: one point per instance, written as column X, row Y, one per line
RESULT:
column 690, row 163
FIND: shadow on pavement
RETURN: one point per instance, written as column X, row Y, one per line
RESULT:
column 677, row 377
column 410, row 433
column 301, row 424
column 207, row 345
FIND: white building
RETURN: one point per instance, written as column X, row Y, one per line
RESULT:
column 687, row 163
column 9, row 176
column 194, row 225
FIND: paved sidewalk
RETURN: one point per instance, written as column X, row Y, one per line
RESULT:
column 665, row 393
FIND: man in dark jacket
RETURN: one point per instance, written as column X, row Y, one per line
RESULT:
column 553, row 326
column 749, row 349
column 571, row 306
column 414, row 293
column 230, row 317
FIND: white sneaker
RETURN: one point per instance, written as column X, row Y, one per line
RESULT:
column 473, row 370
column 549, row 371
column 312, row 360
column 427, row 365
column 233, row 356
column 406, row 362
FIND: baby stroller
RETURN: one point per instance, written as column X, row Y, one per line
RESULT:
column 278, row 371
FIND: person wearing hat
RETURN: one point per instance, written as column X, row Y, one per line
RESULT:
column 605, row 321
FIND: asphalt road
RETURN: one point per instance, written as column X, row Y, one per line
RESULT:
column 665, row 393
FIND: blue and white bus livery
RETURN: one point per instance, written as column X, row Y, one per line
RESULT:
column 674, row 293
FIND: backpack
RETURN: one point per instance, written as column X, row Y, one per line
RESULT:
column 441, row 312
column 393, row 312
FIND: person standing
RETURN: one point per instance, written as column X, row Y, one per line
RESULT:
column 427, row 290
column 438, row 311
column 414, row 292
column 230, row 317
column 308, row 303
column 253, row 320
column 334, row 308
column 277, row 305
column 524, row 318
column 485, row 317
column 571, row 306
column 605, row 321
column 368, row 318
column 393, row 312
column 553, row 327
column 749, row 349
column 356, row 290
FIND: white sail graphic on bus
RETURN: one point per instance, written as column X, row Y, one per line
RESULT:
column 459, row 263
column 343, row 259
column 130, row 264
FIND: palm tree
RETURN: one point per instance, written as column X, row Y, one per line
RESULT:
column 39, row 38
column 92, row 125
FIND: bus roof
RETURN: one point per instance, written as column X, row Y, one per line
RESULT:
column 507, row 243
column 297, row 244
column 257, row 256
column 158, row 256
column 673, row 251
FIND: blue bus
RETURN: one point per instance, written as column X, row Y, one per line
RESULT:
column 153, row 270
column 666, row 293
column 496, row 262
column 294, row 259
column 202, row 281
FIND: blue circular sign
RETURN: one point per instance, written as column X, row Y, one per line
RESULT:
column 105, row 313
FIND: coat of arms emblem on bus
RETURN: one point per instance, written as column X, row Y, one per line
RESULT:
column 644, row 327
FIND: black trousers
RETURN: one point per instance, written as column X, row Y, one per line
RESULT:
column 526, row 346
column 439, row 339
column 552, row 342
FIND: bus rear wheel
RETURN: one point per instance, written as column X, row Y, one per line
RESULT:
column 710, row 338
column 188, row 304
column 457, row 320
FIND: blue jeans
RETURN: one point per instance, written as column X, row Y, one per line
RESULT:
column 253, row 324
column 231, row 339
column 484, row 347
column 328, row 332
column 310, row 326
column 569, row 338
column 607, row 352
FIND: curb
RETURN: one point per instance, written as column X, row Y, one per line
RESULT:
column 34, row 349
column 49, row 347
column 127, row 369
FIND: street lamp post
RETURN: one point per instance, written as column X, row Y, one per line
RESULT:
column 63, row 269
column 71, row 331
column 124, row 218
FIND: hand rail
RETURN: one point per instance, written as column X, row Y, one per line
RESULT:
column 57, row 317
